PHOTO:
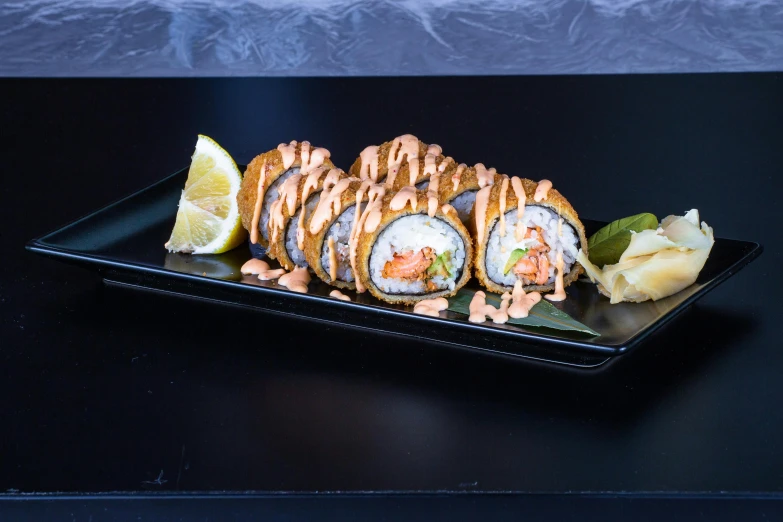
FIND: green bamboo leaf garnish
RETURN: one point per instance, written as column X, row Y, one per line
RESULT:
column 515, row 256
column 543, row 315
column 607, row 245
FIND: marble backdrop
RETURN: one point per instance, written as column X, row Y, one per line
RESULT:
column 407, row 37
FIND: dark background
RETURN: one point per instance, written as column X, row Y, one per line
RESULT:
column 103, row 389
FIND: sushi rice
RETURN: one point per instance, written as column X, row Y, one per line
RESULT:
column 340, row 232
column 270, row 197
column 463, row 204
column 291, row 246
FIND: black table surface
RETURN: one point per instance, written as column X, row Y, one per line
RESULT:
column 109, row 390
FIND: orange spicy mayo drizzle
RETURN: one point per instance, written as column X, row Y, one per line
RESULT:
column 288, row 152
column 413, row 171
column 503, row 192
column 404, row 196
column 288, row 195
column 369, row 165
column 521, row 303
column 480, row 310
column 559, row 293
column 485, row 177
column 312, row 158
column 296, row 280
column 374, row 212
column 519, row 192
column 542, row 190
column 339, row 295
column 332, row 259
column 431, row 307
column 430, row 159
column 261, row 269
column 259, row 200
column 369, row 218
column 311, row 183
column 458, row 174
column 482, row 201
column 432, row 194
column 403, row 146
column 329, row 204
column 304, row 154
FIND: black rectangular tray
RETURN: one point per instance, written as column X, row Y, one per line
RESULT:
column 124, row 243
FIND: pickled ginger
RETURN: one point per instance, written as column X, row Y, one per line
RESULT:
column 657, row 263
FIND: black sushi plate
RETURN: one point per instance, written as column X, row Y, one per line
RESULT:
column 124, row 241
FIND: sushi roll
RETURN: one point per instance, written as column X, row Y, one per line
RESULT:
column 406, row 247
column 526, row 231
column 328, row 231
column 298, row 197
column 263, row 178
column 405, row 160
column 458, row 185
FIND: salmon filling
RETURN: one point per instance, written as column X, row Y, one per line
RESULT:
column 534, row 267
column 408, row 265
column 423, row 265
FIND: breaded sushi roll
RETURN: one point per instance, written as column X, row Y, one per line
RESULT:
column 409, row 248
column 289, row 214
column 458, row 185
column 328, row 231
column 525, row 231
column 264, row 176
column 405, row 160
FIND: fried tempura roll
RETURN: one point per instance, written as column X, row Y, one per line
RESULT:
column 408, row 247
column 264, row 176
column 525, row 231
column 287, row 219
column 405, row 160
column 458, row 186
column 328, row 231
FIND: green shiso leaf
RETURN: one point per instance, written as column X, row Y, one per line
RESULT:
column 607, row 245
